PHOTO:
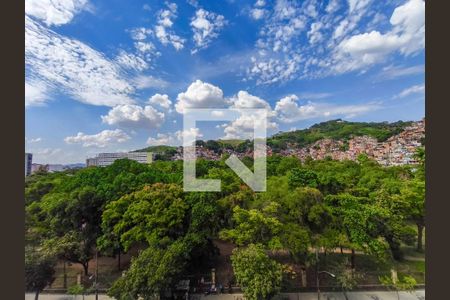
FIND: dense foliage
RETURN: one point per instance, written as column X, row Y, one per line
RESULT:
column 39, row 270
column 312, row 206
column 258, row 274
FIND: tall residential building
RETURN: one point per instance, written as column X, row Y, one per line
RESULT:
column 28, row 162
column 106, row 159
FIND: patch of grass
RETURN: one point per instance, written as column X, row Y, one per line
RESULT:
column 372, row 268
column 415, row 269
column 412, row 266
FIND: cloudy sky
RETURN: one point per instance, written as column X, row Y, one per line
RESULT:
column 116, row 75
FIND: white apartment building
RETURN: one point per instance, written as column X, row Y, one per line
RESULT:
column 106, row 159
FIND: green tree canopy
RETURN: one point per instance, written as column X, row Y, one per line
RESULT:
column 259, row 276
column 39, row 270
column 255, row 226
column 303, row 177
column 155, row 270
column 157, row 214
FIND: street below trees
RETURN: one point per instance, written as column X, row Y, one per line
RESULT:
column 372, row 295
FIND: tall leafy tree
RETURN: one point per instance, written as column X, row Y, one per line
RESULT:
column 39, row 270
column 255, row 226
column 155, row 270
column 155, row 215
column 69, row 224
column 413, row 193
column 173, row 226
column 259, row 276
column 359, row 220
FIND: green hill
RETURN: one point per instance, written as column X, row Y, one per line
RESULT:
column 162, row 152
column 157, row 149
column 337, row 130
column 334, row 129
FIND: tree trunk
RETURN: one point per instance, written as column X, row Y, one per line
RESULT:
column 352, row 259
column 397, row 253
column 118, row 261
column 36, row 296
column 303, row 277
column 342, row 250
column 345, row 295
column 394, row 246
column 86, row 268
column 419, row 237
column 65, row 276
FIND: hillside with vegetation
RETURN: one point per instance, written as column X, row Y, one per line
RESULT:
column 159, row 148
column 333, row 129
column 337, row 130
column 162, row 152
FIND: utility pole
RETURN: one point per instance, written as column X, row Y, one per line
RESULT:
column 96, row 275
column 317, row 274
column 65, row 275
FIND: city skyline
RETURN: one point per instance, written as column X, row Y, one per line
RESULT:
column 114, row 76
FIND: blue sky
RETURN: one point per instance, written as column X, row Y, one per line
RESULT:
column 116, row 75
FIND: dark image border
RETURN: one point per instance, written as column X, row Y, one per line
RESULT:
column 437, row 109
column 13, row 128
column 437, row 150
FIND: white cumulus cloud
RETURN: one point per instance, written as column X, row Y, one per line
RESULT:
column 134, row 116
column 289, row 109
column 177, row 138
column 163, row 30
column 200, row 95
column 145, row 49
column 257, row 13
column 344, row 36
column 407, row 36
column 206, row 26
column 188, row 136
column 161, row 100
column 162, row 139
column 243, row 99
column 140, row 33
column 55, row 12
column 243, row 126
column 100, row 140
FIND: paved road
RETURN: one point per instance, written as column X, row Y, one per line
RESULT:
column 373, row 295
column 65, row 297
